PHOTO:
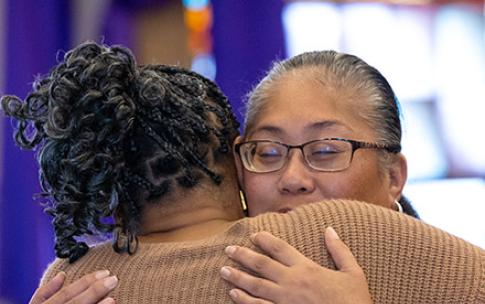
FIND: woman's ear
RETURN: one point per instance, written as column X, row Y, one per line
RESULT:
column 237, row 162
column 398, row 175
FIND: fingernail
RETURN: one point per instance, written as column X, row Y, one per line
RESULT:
column 101, row 274
column 60, row 276
column 110, row 282
column 225, row 272
column 233, row 293
column 230, row 250
column 332, row 233
column 107, row 301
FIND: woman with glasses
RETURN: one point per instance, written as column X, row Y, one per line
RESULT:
column 320, row 125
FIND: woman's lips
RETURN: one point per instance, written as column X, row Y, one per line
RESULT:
column 284, row 210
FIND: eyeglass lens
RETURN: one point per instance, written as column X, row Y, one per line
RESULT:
column 323, row 155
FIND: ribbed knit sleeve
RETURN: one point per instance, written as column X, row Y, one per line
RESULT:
column 481, row 292
column 405, row 260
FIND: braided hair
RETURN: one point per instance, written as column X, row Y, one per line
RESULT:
column 111, row 136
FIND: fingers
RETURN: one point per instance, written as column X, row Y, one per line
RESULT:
column 46, row 291
column 97, row 291
column 91, row 288
column 277, row 248
column 240, row 297
column 341, row 254
column 259, row 263
column 107, row 301
column 255, row 286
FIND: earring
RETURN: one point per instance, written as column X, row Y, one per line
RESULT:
column 399, row 207
column 242, row 199
column 124, row 240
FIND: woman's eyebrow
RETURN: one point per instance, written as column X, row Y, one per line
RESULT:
column 325, row 124
column 312, row 126
column 268, row 129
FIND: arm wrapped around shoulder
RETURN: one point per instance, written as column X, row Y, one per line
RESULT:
column 404, row 259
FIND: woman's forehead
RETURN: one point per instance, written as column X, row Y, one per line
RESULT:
column 305, row 131
column 310, row 106
column 312, row 98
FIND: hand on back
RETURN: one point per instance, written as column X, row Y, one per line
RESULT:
column 286, row 276
column 90, row 289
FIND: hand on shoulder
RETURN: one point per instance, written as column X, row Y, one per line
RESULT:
column 287, row 276
column 90, row 289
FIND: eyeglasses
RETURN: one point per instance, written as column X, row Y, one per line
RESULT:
column 327, row 155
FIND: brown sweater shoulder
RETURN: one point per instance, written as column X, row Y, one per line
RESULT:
column 405, row 260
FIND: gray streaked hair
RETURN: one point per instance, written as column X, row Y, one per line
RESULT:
column 337, row 70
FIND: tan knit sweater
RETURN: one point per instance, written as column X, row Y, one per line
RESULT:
column 405, row 260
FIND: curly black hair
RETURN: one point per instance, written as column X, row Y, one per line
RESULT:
column 111, row 136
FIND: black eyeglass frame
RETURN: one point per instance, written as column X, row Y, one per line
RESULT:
column 355, row 146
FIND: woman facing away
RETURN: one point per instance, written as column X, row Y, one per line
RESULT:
column 150, row 147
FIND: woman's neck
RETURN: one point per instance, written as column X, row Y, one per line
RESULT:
column 198, row 214
column 192, row 232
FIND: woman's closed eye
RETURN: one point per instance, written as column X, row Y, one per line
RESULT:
column 269, row 153
column 324, row 151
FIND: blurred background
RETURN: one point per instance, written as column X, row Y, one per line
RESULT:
column 431, row 51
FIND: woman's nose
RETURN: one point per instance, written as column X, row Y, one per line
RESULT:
column 296, row 177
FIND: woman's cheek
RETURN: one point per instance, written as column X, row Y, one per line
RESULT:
column 259, row 195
